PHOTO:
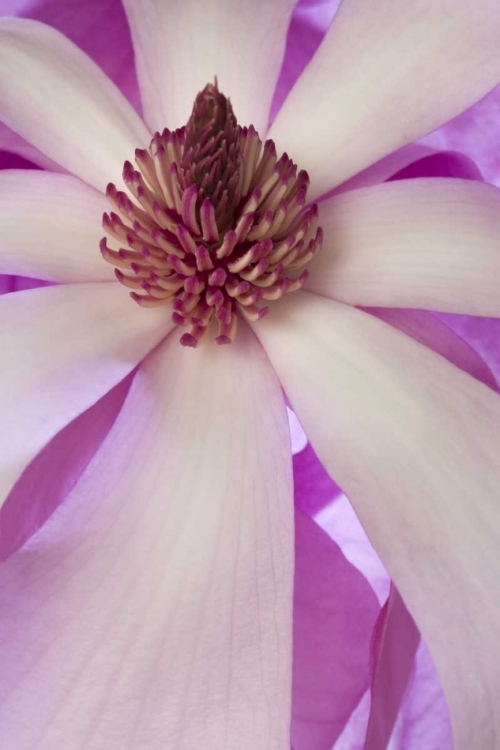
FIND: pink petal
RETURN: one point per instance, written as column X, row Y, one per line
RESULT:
column 53, row 95
column 14, row 144
column 395, row 646
column 414, row 443
column 180, row 46
column 308, row 26
column 441, row 164
column 429, row 330
column 54, row 471
column 475, row 133
column 414, row 160
column 50, row 227
column 423, row 720
column 341, row 524
column 482, row 333
column 385, row 168
column 160, row 594
column 427, row 243
column 334, row 614
column 386, row 74
column 63, row 347
column 313, row 487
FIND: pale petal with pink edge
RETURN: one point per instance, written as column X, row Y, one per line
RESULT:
column 50, row 227
column 181, row 45
column 428, row 243
column 63, row 347
column 59, row 100
column 414, row 442
column 160, row 593
column 386, row 74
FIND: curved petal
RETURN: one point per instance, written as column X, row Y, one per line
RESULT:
column 312, row 485
column 483, row 334
column 308, row 26
column 433, row 333
column 63, row 347
column 395, row 646
column 160, row 593
column 414, row 443
column 50, row 227
column 427, row 243
column 441, row 164
column 385, row 168
column 423, row 721
column 181, row 45
column 386, row 74
column 475, row 132
column 50, row 477
column 297, row 435
column 57, row 98
column 12, row 143
column 334, row 613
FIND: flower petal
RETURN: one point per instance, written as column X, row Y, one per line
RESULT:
column 50, row 227
column 53, row 473
column 427, row 243
column 312, row 485
column 160, row 593
column 414, row 443
column 475, row 132
column 432, row 332
column 386, row 74
column 297, row 435
column 181, row 45
column 395, row 646
column 423, row 721
column 63, row 347
column 57, row 98
column 334, row 613
column 385, row 168
column 308, row 26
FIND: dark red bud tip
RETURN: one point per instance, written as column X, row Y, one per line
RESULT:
column 188, row 340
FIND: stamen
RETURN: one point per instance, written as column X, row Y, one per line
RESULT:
column 213, row 223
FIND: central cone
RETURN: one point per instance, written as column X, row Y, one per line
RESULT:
column 212, row 157
column 215, row 224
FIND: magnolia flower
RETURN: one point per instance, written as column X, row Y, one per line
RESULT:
column 154, row 609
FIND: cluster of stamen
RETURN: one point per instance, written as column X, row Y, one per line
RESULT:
column 214, row 225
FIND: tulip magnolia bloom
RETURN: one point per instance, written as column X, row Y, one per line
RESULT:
column 154, row 609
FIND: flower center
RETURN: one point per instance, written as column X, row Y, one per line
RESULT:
column 216, row 226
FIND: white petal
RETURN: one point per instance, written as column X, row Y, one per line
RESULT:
column 180, row 45
column 57, row 98
column 415, row 443
column 160, row 594
column 50, row 227
column 63, row 347
column 427, row 243
column 386, row 74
